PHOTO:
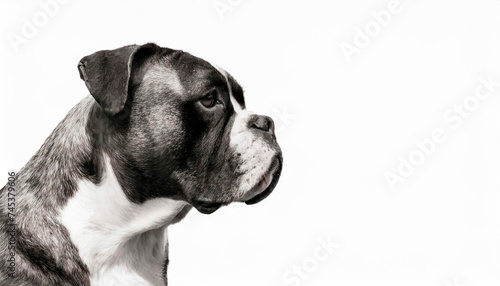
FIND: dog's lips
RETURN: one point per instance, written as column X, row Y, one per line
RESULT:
column 266, row 185
column 206, row 207
column 259, row 188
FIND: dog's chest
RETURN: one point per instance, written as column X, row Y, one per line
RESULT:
column 122, row 243
column 139, row 262
column 137, row 265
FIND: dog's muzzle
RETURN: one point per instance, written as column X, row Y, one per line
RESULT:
column 261, row 127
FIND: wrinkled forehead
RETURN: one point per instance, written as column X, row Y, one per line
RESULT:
column 196, row 75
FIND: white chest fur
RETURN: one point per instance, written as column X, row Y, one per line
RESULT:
column 121, row 242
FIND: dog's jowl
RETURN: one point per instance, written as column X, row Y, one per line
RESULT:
column 161, row 132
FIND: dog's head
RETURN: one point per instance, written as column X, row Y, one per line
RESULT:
column 179, row 128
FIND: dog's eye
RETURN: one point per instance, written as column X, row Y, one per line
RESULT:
column 210, row 99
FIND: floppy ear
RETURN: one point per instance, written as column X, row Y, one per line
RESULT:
column 107, row 74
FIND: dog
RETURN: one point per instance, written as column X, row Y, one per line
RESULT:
column 161, row 132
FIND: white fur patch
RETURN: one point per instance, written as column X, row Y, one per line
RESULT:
column 157, row 75
column 121, row 242
column 236, row 105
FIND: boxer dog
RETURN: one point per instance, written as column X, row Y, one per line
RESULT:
column 163, row 131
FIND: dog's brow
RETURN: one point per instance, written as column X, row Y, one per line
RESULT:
column 236, row 105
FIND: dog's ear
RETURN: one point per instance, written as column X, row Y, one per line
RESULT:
column 107, row 75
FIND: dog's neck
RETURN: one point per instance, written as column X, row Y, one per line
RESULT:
column 121, row 242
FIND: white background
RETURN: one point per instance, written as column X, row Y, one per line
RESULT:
column 343, row 123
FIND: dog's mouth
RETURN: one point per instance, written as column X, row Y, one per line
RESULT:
column 266, row 184
column 259, row 192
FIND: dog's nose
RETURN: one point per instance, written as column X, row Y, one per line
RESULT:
column 262, row 122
